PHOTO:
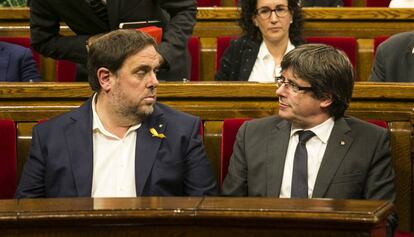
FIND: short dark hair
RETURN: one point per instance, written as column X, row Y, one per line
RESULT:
column 112, row 49
column 248, row 9
column 328, row 71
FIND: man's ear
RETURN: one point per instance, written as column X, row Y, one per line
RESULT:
column 326, row 102
column 103, row 75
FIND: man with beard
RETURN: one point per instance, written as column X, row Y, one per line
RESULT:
column 121, row 142
column 311, row 149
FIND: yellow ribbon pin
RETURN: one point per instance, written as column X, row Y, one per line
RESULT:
column 156, row 134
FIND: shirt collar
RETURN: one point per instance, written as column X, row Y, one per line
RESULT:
column 97, row 125
column 322, row 131
column 264, row 52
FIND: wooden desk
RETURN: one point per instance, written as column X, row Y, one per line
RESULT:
column 192, row 216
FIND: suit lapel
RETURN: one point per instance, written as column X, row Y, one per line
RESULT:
column 278, row 140
column 147, row 148
column 338, row 145
column 78, row 135
column 4, row 63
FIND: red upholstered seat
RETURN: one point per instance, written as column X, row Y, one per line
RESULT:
column 377, row 3
column 208, row 3
column 65, row 71
column 8, row 160
column 194, row 49
column 347, row 44
column 223, row 43
column 25, row 42
column 228, row 137
column 378, row 40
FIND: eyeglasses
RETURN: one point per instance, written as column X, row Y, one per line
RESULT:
column 266, row 12
column 291, row 85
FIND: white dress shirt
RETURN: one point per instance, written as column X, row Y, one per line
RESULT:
column 265, row 69
column 316, row 147
column 113, row 160
column 401, row 4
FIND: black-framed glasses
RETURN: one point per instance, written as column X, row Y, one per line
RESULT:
column 266, row 12
column 291, row 85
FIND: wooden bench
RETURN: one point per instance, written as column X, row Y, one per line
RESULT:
column 27, row 103
column 362, row 23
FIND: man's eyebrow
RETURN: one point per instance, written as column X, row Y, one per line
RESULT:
column 145, row 67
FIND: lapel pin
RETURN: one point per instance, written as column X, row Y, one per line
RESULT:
column 342, row 143
column 156, row 134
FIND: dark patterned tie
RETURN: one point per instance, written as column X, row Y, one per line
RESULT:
column 99, row 8
column 300, row 167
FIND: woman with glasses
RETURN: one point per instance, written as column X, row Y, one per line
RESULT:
column 271, row 28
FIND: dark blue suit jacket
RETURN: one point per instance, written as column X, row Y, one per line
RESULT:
column 17, row 64
column 60, row 162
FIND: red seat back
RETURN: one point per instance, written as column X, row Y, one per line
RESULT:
column 25, row 42
column 194, row 49
column 380, row 123
column 65, row 71
column 228, row 137
column 208, row 3
column 223, row 43
column 347, row 44
column 347, row 3
column 8, row 160
column 377, row 3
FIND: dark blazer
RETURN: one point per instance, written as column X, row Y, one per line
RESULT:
column 60, row 162
column 178, row 17
column 17, row 64
column 322, row 3
column 238, row 60
column 356, row 165
column 394, row 59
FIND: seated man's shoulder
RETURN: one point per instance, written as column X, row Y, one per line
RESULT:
column 53, row 123
column 399, row 40
column 173, row 114
column 365, row 128
column 265, row 122
column 14, row 49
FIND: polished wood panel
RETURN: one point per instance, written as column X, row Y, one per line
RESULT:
column 362, row 23
column 193, row 216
